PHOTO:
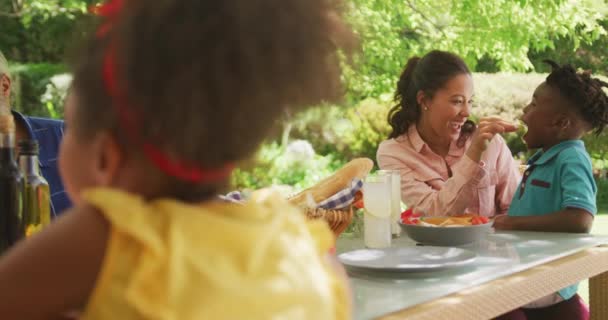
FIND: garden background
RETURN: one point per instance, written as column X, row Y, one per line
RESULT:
column 503, row 41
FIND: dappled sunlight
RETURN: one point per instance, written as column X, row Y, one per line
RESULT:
column 363, row 255
column 505, row 236
column 535, row 244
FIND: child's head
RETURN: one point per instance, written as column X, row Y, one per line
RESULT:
column 169, row 94
column 436, row 90
column 566, row 106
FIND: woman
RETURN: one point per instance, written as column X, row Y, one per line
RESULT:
column 448, row 165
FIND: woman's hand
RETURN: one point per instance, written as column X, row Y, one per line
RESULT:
column 486, row 130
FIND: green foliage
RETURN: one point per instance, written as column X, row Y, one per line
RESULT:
column 602, row 195
column 589, row 55
column 275, row 165
column 55, row 94
column 41, row 30
column 501, row 31
column 344, row 132
column 31, row 82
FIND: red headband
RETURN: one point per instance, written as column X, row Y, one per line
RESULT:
column 128, row 119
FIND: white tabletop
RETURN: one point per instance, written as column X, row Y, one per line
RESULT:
column 499, row 255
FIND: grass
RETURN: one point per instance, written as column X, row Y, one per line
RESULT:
column 600, row 226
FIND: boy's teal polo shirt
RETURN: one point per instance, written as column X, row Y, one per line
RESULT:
column 560, row 178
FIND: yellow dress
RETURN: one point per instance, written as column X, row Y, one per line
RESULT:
column 175, row 261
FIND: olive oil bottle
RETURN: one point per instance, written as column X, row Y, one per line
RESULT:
column 36, row 193
column 11, row 186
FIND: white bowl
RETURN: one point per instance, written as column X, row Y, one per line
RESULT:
column 447, row 236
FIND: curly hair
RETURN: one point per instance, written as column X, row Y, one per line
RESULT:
column 584, row 93
column 208, row 79
column 429, row 74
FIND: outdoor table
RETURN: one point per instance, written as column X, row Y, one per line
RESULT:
column 511, row 270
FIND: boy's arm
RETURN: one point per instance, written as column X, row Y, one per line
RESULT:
column 578, row 191
column 572, row 220
column 54, row 271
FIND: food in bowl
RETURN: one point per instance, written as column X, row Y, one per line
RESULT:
column 452, row 221
column 446, row 231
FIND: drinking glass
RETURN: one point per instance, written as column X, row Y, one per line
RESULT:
column 377, row 216
column 395, row 199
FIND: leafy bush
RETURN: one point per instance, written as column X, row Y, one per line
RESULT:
column 602, row 195
column 295, row 165
column 56, row 91
column 31, row 82
column 39, row 31
column 345, row 132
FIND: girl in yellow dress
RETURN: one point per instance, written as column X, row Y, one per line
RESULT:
column 167, row 96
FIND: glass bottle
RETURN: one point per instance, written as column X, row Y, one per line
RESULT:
column 36, row 192
column 11, row 186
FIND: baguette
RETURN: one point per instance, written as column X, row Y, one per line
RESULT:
column 356, row 168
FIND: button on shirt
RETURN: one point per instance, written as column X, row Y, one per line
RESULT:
column 48, row 133
column 557, row 179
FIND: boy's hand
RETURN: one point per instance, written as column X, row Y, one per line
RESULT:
column 504, row 222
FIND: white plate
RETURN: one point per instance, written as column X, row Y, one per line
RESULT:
column 407, row 259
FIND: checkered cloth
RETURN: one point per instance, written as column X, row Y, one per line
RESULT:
column 340, row 200
column 343, row 198
column 233, row 196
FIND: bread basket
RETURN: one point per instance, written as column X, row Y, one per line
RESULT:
column 337, row 220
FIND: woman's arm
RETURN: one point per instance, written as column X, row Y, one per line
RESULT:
column 453, row 197
column 456, row 193
column 54, row 271
column 572, row 220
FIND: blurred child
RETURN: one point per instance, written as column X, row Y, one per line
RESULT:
column 557, row 192
column 167, row 96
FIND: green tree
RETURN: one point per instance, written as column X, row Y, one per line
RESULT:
column 588, row 56
column 501, row 31
column 41, row 30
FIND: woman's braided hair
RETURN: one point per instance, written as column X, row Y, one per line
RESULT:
column 585, row 93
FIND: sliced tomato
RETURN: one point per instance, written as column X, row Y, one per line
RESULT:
column 409, row 220
column 479, row 220
column 407, row 213
column 359, row 204
column 476, row 221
